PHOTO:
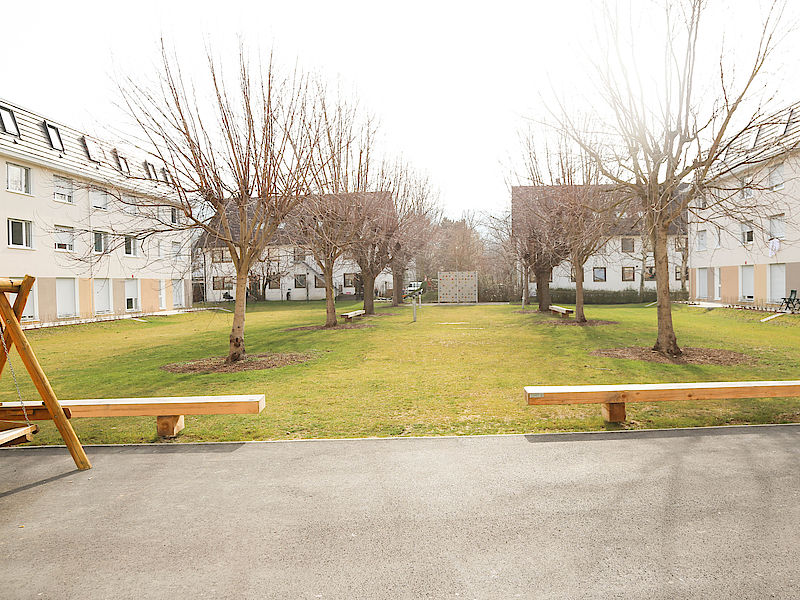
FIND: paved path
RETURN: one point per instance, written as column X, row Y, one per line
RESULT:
column 709, row 513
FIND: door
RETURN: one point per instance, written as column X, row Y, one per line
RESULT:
column 177, row 293
column 102, row 295
column 66, row 306
column 748, row 282
column 777, row 283
column 702, row 283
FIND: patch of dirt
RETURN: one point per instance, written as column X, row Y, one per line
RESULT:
column 339, row 326
column 587, row 323
column 691, row 356
column 525, row 312
column 383, row 314
column 251, row 362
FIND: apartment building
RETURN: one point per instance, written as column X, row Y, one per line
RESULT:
column 745, row 250
column 285, row 272
column 70, row 206
column 624, row 262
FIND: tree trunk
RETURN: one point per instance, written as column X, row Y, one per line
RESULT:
column 330, row 303
column 236, row 349
column 524, row 285
column 369, row 292
column 641, row 278
column 543, row 289
column 684, row 265
column 579, row 316
column 666, row 342
column 397, row 285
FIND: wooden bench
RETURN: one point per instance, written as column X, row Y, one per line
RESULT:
column 169, row 412
column 349, row 316
column 612, row 398
column 562, row 312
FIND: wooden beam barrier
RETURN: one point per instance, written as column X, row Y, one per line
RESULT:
column 613, row 398
column 9, row 285
column 23, row 292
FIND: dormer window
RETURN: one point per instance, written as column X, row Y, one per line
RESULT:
column 54, row 135
column 8, row 121
column 150, row 171
column 122, row 162
column 788, row 122
column 93, row 149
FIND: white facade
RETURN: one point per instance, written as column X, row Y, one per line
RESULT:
column 619, row 265
column 65, row 223
column 290, row 273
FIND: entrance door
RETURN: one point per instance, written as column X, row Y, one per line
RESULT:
column 748, row 282
column 702, row 283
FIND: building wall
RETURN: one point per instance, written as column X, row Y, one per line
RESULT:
column 728, row 250
column 47, row 263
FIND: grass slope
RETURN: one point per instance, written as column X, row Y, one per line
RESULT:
column 403, row 378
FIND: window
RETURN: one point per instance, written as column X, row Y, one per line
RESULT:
column 702, row 203
column 98, row 198
column 222, row 283
column 220, row 255
column 18, row 179
column 702, row 242
column 93, row 149
column 777, row 227
column 599, row 274
column 788, row 122
column 130, row 246
column 100, row 242
column 102, row 296
column 177, row 293
column 66, row 301
column 150, row 171
column 628, row 244
column 299, row 281
column 129, row 205
column 8, row 121
column 131, row 294
column 318, row 282
column 349, row 280
column 747, row 233
column 63, row 189
column 299, row 255
column 54, row 135
column 122, row 163
column 776, row 178
column 747, row 281
column 747, row 188
column 64, row 238
column 157, row 244
column 628, row 274
column 681, row 243
column 678, row 274
column 275, row 282
column 173, row 216
column 649, row 273
column 162, row 303
column 20, row 233
column 702, row 282
column 176, row 249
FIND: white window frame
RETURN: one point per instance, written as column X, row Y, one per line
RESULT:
column 77, row 299
column 134, row 246
column 182, row 289
column 96, row 192
column 69, row 245
column 93, row 149
column 31, row 305
column 27, row 234
column 748, row 231
column 104, row 242
column 776, row 179
column 162, row 297
column 701, row 244
column 110, row 284
column 122, row 162
column 173, row 216
column 63, row 189
column 175, row 249
column 773, row 235
column 27, row 184
column 138, row 298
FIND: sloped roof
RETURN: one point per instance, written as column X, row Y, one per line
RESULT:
column 768, row 138
column 83, row 155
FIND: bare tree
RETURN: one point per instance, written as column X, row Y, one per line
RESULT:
column 371, row 249
column 238, row 158
column 650, row 150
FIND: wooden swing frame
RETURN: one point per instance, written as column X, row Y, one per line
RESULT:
column 14, row 336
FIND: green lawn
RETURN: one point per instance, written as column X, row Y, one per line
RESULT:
column 404, row 378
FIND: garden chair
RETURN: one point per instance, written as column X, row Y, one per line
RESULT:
column 790, row 303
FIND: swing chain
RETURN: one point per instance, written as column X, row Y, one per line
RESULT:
column 13, row 373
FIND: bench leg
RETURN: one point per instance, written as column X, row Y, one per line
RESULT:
column 169, row 426
column 613, row 412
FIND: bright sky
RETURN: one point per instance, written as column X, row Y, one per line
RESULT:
column 451, row 82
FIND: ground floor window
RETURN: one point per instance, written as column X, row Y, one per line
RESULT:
column 628, row 274
column 66, row 300
column 299, row 281
column 599, row 274
column 349, row 280
column 20, row 233
column 102, row 295
column 162, row 303
column 177, row 292
column 649, row 273
column 275, row 282
column 132, row 301
column 748, row 282
column 684, row 277
column 318, row 282
column 222, row 283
